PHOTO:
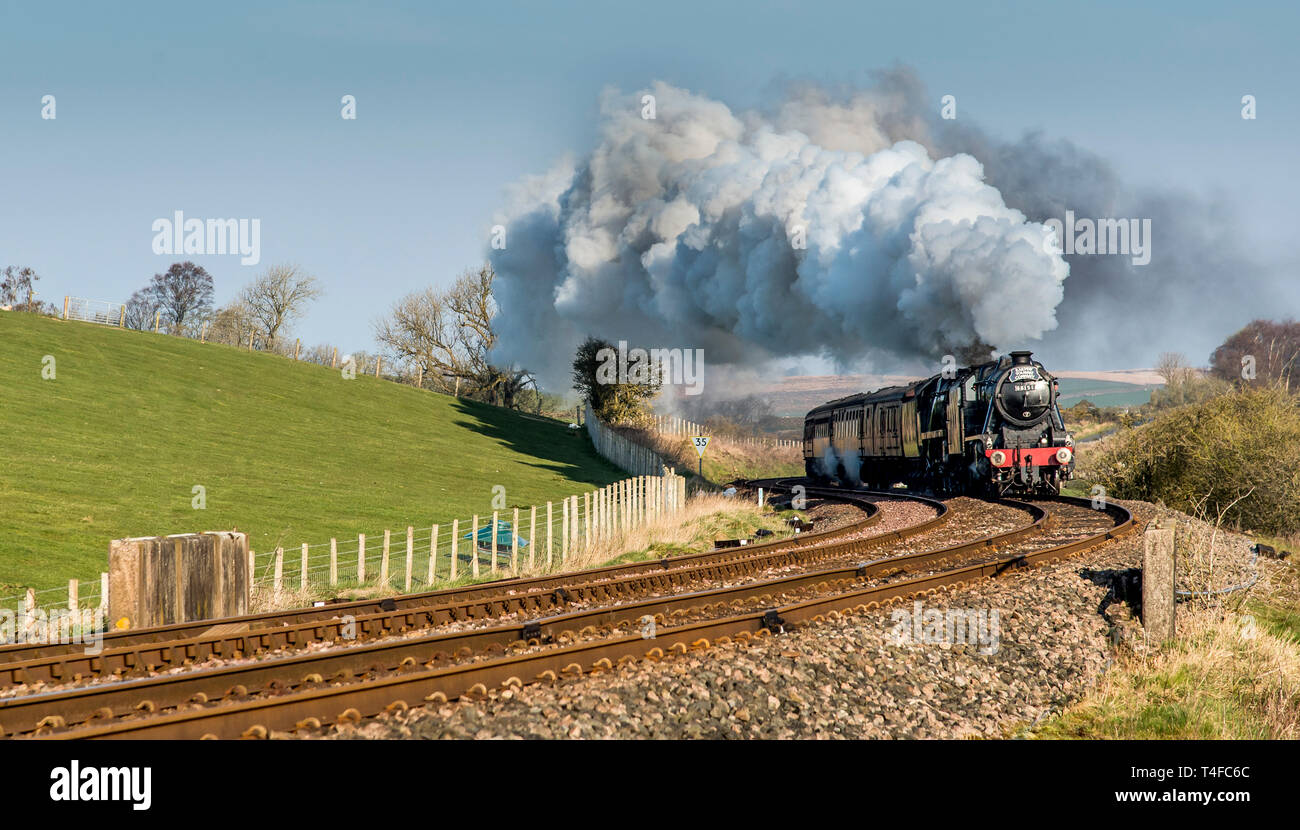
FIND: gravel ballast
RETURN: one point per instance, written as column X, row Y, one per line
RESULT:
column 864, row 676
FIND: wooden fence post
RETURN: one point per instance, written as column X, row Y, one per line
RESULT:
column 157, row 316
column 279, row 571
column 1158, row 582
column 514, row 543
column 410, row 555
column 495, row 526
column 532, row 534
column 303, row 577
column 334, row 361
column 548, row 534
column 203, row 330
column 379, row 359
column 121, row 319
column 564, row 528
column 455, row 532
column 473, row 544
column 433, row 554
column 334, row 561
column 103, row 590
column 252, row 567
column 586, row 521
column 250, row 341
column 419, row 377
column 65, row 306
column 361, row 557
column 297, row 348
column 74, row 601
column 383, row 561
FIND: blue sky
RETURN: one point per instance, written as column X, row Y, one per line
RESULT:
column 232, row 110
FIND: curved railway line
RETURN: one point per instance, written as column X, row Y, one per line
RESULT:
column 628, row 613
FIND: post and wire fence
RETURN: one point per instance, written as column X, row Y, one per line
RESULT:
column 514, row 541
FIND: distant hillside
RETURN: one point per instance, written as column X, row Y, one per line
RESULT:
column 288, row 452
column 794, row 396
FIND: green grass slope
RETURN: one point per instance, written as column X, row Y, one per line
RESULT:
column 287, row 452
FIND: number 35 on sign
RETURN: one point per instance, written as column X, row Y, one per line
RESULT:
column 700, row 442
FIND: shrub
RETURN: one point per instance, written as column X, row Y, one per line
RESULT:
column 1235, row 457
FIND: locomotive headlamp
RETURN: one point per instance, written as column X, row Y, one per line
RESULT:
column 998, row 458
column 1063, row 455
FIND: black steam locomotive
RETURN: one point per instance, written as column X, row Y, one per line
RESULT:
column 990, row 429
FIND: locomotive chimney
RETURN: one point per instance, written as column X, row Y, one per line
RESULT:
column 1021, row 358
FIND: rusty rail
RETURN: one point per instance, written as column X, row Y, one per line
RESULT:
column 484, row 595
column 304, row 702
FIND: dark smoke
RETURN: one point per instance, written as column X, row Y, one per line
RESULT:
column 676, row 232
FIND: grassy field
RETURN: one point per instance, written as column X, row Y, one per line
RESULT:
column 1102, row 392
column 116, row 443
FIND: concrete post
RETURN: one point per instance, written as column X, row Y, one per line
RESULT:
column 455, row 533
column 496, row 526
column 473, row 545
column 410, row 556
column 1158, row 582
column 514, row 543
column 334, row 561
column 433, row 553
column 160, row 580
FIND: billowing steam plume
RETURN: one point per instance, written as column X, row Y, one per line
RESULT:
column 923, row 237
column 749, row 237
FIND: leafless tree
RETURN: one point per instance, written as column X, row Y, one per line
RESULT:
column 447, row 334
column 140, row 310
column 232, row 324
column 182, row 292
column 1172, row 366
column 278, row 296
column 17, row 287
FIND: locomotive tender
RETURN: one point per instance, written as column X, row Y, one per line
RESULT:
column 989, row 429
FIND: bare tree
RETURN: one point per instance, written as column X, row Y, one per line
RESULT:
column 278, row 296
column 232, row 324
column 182, row 292
column 448, row 335
column 17, row 287
column 1172, row 366
column 140, row 310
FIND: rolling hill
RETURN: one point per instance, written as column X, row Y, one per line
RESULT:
column 132, row 422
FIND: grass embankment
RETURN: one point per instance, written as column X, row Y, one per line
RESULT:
column 724, row 460
column 1233, row 672
column 132, row 422
column 1234, row 669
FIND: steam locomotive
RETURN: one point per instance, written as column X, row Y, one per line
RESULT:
column 990, row 429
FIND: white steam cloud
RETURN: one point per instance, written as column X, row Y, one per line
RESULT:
column 686, row 230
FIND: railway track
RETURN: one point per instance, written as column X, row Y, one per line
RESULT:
column 150, row 650
column 306, row 690
column 158, row 648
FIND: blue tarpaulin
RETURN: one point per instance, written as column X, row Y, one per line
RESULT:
column 505, row 538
